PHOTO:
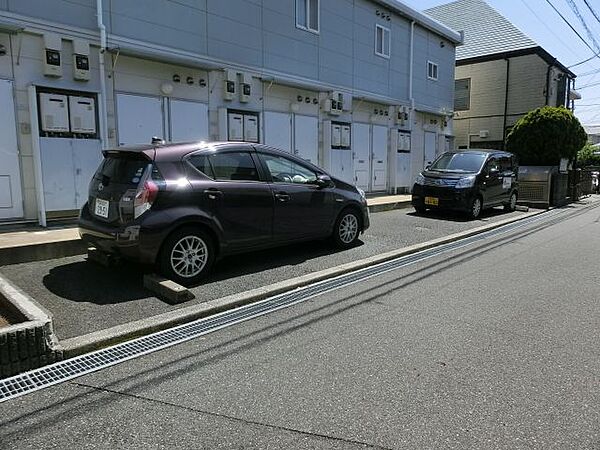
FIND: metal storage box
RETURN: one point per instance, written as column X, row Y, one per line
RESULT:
column 535, row 185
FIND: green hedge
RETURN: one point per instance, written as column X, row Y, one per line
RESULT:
column 545, row 135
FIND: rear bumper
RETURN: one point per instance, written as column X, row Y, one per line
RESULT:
column 448, row 198
column 131, row 241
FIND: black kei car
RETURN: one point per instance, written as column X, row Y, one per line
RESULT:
column 181, row 206
column 469, row 181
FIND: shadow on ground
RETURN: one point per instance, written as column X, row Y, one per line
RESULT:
column 457, row 216
column 86, row 281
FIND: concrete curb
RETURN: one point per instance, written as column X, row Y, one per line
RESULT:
column 41, row 251
column 389, row 206
column 94, row 341
column 29, row 344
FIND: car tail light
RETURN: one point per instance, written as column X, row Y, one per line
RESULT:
column 144, row 197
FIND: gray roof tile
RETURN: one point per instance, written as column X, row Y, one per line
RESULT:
column 487, row 32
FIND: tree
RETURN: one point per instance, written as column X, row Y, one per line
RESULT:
column 545, row 135
column 587, row 157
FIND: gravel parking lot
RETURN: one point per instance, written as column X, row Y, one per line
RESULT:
column 84, row 297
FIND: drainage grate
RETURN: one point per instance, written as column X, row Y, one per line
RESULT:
column 91, row 362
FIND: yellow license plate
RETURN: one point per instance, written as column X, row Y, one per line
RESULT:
column 432, row 201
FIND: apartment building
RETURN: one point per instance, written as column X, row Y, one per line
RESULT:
column 501, row 74
column 364, row 88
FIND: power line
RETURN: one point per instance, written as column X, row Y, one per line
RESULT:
column 576, row 11
column 579, row 88
column 553, row 32
column 596, row 55
column 595, row 14
column 591, row 72
column 576, row 32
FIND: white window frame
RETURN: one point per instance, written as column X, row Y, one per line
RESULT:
column 384, row 30
column 437, row 71
column 306, row 27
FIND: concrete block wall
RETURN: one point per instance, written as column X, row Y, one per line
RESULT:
column 31, row 343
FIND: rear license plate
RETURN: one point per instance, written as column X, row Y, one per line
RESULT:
column 432, row 201
column 102, row 208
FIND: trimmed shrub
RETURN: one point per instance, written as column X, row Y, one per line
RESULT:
column 545, row 135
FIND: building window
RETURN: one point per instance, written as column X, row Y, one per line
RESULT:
column 432, row 70
column 307, row 15
column 462, row 94
column 382, row 41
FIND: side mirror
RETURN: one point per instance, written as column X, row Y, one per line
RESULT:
column 493, row 171
column 324, row 181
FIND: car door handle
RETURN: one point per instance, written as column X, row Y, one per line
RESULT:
column 282, row 196
column 213, row 194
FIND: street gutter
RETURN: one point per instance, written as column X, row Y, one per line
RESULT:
column 100, row 339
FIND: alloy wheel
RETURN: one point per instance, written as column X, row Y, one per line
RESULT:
column 476, row 210
column 348, row 228
column 189, row 256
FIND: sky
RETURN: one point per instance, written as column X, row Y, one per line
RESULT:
column 540, row 22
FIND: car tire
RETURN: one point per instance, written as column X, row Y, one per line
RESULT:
column 420, row 209
column 187, row 256
column 346, row 230
column 512, row 203
column 475, row 208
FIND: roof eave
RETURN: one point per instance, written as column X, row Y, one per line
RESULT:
column 515, row 53
column 424, row 20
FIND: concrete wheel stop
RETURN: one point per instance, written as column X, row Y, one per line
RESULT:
column 167, row 290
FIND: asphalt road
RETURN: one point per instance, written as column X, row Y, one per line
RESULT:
column 84, row 297
column 494, row 345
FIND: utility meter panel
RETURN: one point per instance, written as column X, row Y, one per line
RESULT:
column 235, row 127
column 83, row 115
column 345, row 141
column 403, row 142
column 336, row 135
column 250, row 128
column 81, row 60
column 54, row 113
column 52, row 55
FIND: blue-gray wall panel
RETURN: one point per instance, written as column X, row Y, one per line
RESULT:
column 263, row 34
column 78, row 13
column 168, row 24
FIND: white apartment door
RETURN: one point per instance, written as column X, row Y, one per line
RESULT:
column 11, row 197
column 278, row 130
column 139, row 119
column 430, row 148
column 188, row 121
column 306, row 138
column 379, row 158
column 361, row 151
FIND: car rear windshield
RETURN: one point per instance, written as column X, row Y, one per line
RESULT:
column 459, row 162
column 122, row 169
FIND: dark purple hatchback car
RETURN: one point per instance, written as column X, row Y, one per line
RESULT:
column 181, row 206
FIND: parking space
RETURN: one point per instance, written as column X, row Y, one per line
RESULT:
column 84, row 297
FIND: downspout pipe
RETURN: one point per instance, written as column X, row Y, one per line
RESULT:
column 103, row 109
column 505, row 104
column 411, row 65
